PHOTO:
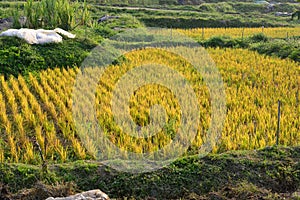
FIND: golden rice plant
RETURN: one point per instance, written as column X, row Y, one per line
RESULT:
column 42, row 108
column 205, row 33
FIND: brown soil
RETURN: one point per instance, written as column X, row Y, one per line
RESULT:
column 243, row 191
column 39, row 191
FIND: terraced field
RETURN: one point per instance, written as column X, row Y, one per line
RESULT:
column 39, row 111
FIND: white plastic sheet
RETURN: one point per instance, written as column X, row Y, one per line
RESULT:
column 39, row 36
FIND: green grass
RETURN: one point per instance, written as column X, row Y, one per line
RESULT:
column 222, row 14
column 241, row 174
column 217, row 14
column 18, row 57
column 282, row 48
column 268, row 171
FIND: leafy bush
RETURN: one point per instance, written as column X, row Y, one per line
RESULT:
column 18, row 57
column 122, row 21
column 216, row 7
column 295, row 55
column 105, row 32
column 225, row 42
column 19, row 60
column 260, row 37
column 168, row 2
column 280, row 48
column 207, row 7
column 246, row 7
column 260, row 43
column 196, row 22
column 115, row 25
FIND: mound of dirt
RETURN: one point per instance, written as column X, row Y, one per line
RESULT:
column 39, row 192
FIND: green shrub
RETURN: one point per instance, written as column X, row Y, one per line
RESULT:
column 224, row 7
column 216, row 7
column 295, row 55
column 279, row 48
column 217, row 41
column 168, row 2
column 207, row 7
column 260, row 37
column 113, row 26
column 246, row 7
column 225, row 42
column 105, row 32
column 12, row 64
column 18, row 57
column 196, row 22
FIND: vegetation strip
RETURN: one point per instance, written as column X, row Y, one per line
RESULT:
column 267, row 173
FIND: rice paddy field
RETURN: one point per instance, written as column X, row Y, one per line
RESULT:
column 206, row 33
column 67, row 124
column 39, row 110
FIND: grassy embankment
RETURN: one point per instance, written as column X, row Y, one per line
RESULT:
column 270, row 173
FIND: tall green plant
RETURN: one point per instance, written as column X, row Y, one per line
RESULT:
column 16, row 16
column 28, row 8
column 55, row 13
column 49, row 12
column 85, row 14
column 66, row 14
column 33, row 12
